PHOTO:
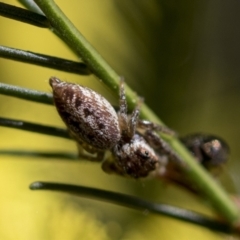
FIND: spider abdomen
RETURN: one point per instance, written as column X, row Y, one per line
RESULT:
column 89, row 117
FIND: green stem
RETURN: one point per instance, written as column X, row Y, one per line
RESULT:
column 32, row 6
column 27, row 94
column 44, row 60
column 73, row 38
column 69, row 33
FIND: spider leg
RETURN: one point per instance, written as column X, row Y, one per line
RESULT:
column 128, row 124
column 134, row 119
column 147, row 125
column 111, row 167
column 161, row 147
column 88, row 153
column 122, row 113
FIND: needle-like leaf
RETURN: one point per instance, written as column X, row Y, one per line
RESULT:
column 135, row 203
column 44, row 60
column 33, row 127
column 26, row 94
column 23, row 15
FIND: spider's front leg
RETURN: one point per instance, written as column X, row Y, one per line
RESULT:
column 122, row 113
column 128, row 123
column 147, row 125
column 110, row 166
column 148, row 131
column 161, row 146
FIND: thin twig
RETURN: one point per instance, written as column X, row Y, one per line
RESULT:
column 23, row 15
column 25, row 93
column 30, row 5
column 33, row 127
column 71, row 36
column 135, row 203
column 44, row 60
column 52, row 155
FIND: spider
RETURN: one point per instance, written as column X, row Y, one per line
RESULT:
column 97, row 127
column 137, row 150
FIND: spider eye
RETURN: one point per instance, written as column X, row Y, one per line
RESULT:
column 144, row 154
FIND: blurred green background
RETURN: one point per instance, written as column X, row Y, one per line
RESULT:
column 182, row 56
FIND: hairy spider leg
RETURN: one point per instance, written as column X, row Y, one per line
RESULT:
column 161, row 146
column 84, row 151
column 134, row 119
column 122, row 113
column 147, row 125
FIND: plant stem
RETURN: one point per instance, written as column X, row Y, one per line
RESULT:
column 44, row 60
column 46, row 155
column 32, row 6
column 69, row 33
column 27, row 94
column 23, row 15
column 34, row 127
column 135, row 203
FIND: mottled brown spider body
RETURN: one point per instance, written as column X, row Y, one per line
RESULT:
column 95, row 125
column 90, row 118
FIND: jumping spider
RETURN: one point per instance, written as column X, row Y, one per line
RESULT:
column 97, row 127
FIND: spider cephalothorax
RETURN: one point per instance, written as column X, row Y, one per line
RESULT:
column 136, row 158
column 97, row 127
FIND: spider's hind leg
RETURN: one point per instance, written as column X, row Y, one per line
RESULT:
column 90, row 154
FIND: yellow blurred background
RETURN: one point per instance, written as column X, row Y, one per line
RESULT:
column 182, row 56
